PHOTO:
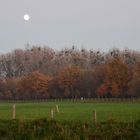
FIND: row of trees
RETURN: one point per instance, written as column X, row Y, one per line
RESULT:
column 36, row 73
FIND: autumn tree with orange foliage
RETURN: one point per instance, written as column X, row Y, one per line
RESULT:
column 34, row 86
column 11, row 88
column 68, row 80
column 117, row 77
column 134, row 84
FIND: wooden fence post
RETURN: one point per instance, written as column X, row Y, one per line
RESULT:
column 57, row 109
column 14, row 112
column 52, row 113
column 94, row 116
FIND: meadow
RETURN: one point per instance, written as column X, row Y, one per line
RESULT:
column 73, row 111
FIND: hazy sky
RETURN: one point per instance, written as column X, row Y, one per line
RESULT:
column 96, row 24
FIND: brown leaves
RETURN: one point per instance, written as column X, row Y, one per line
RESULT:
column 72, row 73
column 117, row 77
column 69, row 78
column 35, row 84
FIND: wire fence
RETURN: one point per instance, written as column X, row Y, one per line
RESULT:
column 73, row 100
column 88, row 109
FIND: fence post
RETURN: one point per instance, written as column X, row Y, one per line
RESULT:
column 14, row 112
column 57, row 109
column 94, row 116
column 52, row 113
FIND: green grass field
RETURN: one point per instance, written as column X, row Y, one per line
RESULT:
column 76, row 111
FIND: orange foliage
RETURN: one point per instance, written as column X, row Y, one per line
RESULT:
column 117, row 76
column 35, row 84
column 69, row 78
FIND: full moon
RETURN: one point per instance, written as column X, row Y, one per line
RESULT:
column 26, row 17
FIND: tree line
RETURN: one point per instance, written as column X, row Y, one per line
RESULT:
column 44, row 73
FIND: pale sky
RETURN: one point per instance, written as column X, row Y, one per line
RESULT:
column 94, row 24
